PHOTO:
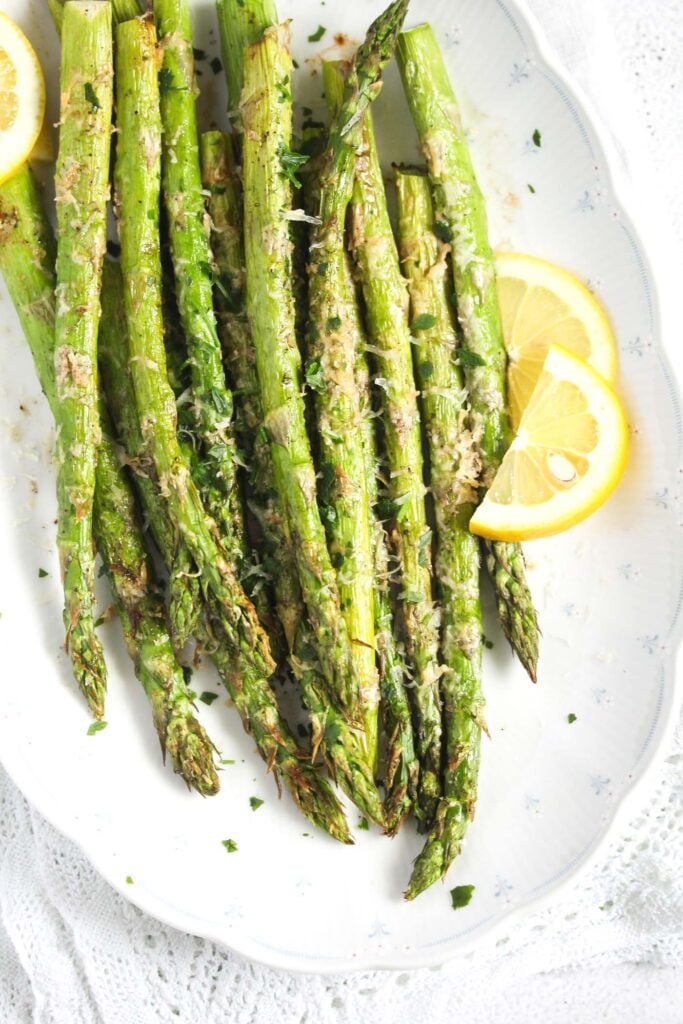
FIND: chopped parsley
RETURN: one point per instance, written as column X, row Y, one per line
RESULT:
column 42, row 573
column 531, row 189
column 571, row 718
column 255, row 803
column 442, row 231
column 536, row 138
column 364, row 825
column 96, row 727
column 129, row 879
column 318, row 34
column 227, row 760
column 423, row 322
column 198, row 54
column 207, row 697
column 91, row 96
column 334, row 323
column 461, row 896
column 314, row 377
column 230, row 845
column 290, row 162
column 426, row 369
column 215, row 65
column 469, row 359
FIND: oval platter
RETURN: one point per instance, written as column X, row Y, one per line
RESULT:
column 566, row 757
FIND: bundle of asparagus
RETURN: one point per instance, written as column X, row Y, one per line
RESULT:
column 308, row 492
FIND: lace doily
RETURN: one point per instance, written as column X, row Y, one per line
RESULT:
column 72, row 950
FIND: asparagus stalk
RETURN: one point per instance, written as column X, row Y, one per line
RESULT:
column 249, row 691
column 27, row 264
column 82, row 189
column 137, row 184
column 337, row 348
column 184, row 587
column 333, row 344
column 461, row 221
column 225, row 211
column 268, row 161
column 454, row 469
column 215, row 465
column 402, row 767
column 386, row 300
column 241, row 23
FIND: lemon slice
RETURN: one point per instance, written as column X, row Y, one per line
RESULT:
column 567, row 457
column 543, row 305
column 22, row 98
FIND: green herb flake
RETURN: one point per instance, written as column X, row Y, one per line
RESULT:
column 227, row 760
column 215, row 65
column 166, row 81
column 318, row 34
column 532, row 189
column 442, row 231
column 489, row 644
column 314, row 377
column 571, row 718
column 96, row 727
column 230, row 845
column 461, row 896
column 283, row 89
column 91, row 96
column 423, row 322
column 334, row 323
column 536, row 138
column 198, row 54
column 42, row 573
column 129, row 879
column 295, row 64
column 363, row 825
column 187, row 674
column 255, row 803
column 426, row 370
column 468, row 359
column 290, row 162
column 207, row 697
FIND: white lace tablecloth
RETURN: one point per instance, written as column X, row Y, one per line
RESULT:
column 72, row 951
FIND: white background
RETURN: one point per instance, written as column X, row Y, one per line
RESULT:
column 71, row 950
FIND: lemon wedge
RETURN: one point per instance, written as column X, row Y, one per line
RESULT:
column 22, row 98
column 567, row 456
column 542, row 305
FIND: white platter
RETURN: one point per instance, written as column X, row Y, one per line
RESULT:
column 608, row 592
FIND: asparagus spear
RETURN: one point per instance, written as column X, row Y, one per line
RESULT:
column 333, row 343
column 461, row 220
column 386, row 301
column 137, row 185
column 189, row 237
column 249, row 691
column 27, row 264
column 268, row 162
column 82, row 189
column 401, row 764
column 454, row 470
column 184, row 587
column 225, row 210
column 241, row 23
